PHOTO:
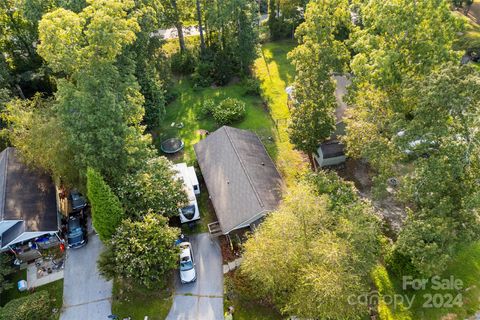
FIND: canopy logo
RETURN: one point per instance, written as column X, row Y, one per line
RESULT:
column 434, row 292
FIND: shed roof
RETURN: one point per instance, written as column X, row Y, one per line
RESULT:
column 240, row 176
column 332, row 150
column 26, row 195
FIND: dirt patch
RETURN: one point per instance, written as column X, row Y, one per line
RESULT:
column 358, row 172
column 392, row 213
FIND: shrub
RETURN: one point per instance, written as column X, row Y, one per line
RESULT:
column 207, row 108
column 224, row 68
column 280, row 29
column 202, row 77
column 183, row 62
column 36, row 306
column 228, row 111
column 399, row 264
column 252, row 86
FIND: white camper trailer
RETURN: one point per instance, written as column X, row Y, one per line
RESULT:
column 189, row 213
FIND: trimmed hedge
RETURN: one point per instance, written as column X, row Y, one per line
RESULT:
column 36, row 306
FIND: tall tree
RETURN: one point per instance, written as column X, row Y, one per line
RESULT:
column 152, row 188
column 174, row 12
column 323, row 243
column 398, row 41
column 96, row 90
column 107, row 212
column 141, row 251
column 32, row 126
column 231, row 40
column 318, row 55
column 200, row 26
column 442, row 189
column 151, row 65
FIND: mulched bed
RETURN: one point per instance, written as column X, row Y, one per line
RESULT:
column 228, row 254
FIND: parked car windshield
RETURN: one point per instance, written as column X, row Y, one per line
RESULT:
column 186, row 265
column 75, row 236
column 188, row 212
column 73, row 224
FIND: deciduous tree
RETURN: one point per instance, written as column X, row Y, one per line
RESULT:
column 320, row 246
column 318, row 55
column 141, row 251
column 152, row 188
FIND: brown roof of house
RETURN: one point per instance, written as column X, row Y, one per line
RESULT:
column 26, row 194
column 241, row 178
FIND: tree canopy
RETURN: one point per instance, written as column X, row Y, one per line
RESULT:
column 317, row 56
column 141, row 251
column 320, row 246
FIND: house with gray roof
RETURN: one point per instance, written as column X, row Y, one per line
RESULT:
column 28, row 201
column 242, row 180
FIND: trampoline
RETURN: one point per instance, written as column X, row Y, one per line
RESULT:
column 172, row 145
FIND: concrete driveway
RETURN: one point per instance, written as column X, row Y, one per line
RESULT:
column 86, row 295
column 203, row 299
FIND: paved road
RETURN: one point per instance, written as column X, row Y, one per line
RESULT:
column 172, row 33
column 203, row 299
column 86, row 295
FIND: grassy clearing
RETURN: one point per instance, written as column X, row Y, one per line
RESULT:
column 275, row 73
column 55, row 289
column 186, row 109
column 465, row 267
column 137, row 302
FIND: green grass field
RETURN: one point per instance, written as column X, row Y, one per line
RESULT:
column 186, row 109
column 464, row 267
column 55, row 289
column 137, row 302
column 275, row 73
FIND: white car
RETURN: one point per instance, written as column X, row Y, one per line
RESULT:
column 187, row 263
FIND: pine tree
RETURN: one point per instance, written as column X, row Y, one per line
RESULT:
column 107, row 211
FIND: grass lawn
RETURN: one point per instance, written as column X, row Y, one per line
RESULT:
column 276, row 73
column 465, row 266
column 186, row 108
column 137, row 302
column 55, row 290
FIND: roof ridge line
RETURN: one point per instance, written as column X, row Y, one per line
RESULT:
column 244, row 169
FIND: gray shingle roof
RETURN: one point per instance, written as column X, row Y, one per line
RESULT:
column 26, row 194
column 12, row 233
column 241, row 178
column 332, row 150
